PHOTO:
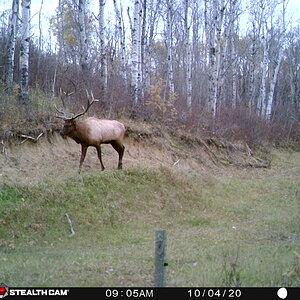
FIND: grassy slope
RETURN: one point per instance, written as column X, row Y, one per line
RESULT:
column 238, row 229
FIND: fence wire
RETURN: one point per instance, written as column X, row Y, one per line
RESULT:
column 123, row 246
column 180, row 251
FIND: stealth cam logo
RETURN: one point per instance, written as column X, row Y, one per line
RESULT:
column 4, row 290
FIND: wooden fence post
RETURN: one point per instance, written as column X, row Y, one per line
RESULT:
column 160, row 252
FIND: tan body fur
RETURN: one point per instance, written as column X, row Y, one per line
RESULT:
column 94, row 132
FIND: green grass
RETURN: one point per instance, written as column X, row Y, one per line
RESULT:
column 237, row 230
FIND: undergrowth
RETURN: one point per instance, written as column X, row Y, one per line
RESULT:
column 235, row 125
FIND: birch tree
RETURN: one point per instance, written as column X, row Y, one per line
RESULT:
column 188, row 56
column 253, row 61
column 135, row 56
column 264, row 68
column 82, row 37
column 139, row 51
column 170, row 18
column 103, row 58
column 230, row 52
column 219, row 67
column 24, row 50
column 214, row 17
column 12, row 34
column 277, row 58
column 256, row 60
column 143, row 44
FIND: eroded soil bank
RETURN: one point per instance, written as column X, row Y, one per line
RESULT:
column 25, row 161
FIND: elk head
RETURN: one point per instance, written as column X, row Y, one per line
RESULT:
column 70, row 123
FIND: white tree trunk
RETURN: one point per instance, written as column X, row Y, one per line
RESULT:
column 268, row 113
column 103, row 59
column 258, row 65
column 12, row 34
column 139, row 50
column 210, row 30
column 143, row 47
column 40, row 45
column 219, row 77
column 253, row 67
column 261, row 104
column 24, row 50
column 188, row 58
column 234, row 73
column 231, row 49
column 170, row 46
column 82, row 37
column 135, row 63
column 277, row 63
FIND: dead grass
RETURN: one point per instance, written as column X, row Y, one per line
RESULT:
column 225, row 225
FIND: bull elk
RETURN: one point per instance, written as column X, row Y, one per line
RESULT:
column 92, row 131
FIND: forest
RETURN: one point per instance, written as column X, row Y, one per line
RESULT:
column 228, row 68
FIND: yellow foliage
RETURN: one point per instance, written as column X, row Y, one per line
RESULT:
column 159, row 102
column 70, row 39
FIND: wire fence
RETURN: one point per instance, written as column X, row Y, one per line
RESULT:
column 189, row 256
column 149, row 241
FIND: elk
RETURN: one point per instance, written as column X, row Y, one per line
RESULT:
column 92, row 131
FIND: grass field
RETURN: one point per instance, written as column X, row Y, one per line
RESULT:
column 226, row 228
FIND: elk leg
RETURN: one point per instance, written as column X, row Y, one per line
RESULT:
column 100, row 156
column 119, row 147
column 83, row 153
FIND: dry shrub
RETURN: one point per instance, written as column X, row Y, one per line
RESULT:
column 233, row 124
column 241, row 124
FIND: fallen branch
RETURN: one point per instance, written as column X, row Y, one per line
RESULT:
column 249, row 151
column 28, row 137
column 176, row 163
column 71, row 224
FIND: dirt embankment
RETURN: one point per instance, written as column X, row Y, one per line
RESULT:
column 25, row 160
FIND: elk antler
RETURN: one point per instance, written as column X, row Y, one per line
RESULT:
column 63, row 96
column 91, row 100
